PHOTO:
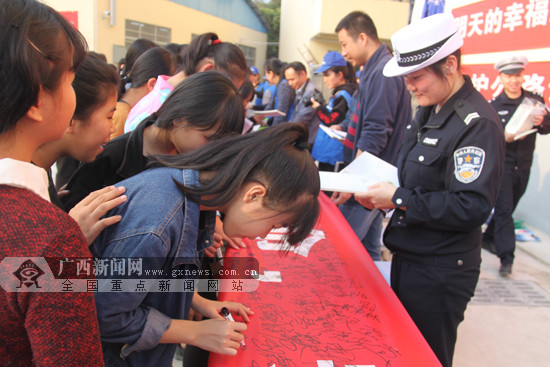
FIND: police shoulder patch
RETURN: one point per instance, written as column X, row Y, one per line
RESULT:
column 466, row 111
column 468, row 163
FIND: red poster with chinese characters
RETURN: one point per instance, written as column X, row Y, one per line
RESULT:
column 493, row 29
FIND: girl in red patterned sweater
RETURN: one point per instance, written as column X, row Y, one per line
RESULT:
column 40, row 324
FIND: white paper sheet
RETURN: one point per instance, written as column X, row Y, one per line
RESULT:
column 335, row 134
column 340, row 182
column 376, row 169
column 266, row 113
column 364, row 171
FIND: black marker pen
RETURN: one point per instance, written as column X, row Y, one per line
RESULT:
column 228, row 317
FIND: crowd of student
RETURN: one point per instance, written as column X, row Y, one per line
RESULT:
column 188, row 114
column 148, row 154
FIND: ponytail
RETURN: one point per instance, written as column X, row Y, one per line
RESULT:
column 207, row 100
column 152, row 63
column 277, row 158
column 226, row 56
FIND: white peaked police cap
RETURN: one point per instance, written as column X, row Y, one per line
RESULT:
column 423, row 43
column 511, row 64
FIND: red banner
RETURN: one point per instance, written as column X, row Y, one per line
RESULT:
column 503, row 25
column 323, row 304
column 493, row 29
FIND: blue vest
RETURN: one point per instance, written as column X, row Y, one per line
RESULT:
column 326, row 149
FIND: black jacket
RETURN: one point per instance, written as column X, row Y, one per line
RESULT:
column 340, row 106
column 450, row 167
column 519, row 154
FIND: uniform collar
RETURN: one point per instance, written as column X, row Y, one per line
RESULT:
column 447, row 110
column 514, row 101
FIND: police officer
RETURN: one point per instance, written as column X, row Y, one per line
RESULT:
column 449, row 167
column 499, row 236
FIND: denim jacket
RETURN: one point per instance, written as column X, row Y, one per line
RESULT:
column 161, row 227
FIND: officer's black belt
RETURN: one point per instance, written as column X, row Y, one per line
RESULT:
column 447, row 261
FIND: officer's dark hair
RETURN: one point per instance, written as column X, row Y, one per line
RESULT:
column 356, row 23
column 38, row 46
column 297, row 66
column 135, row 50
column 226, row 56
column 438, row 69
column 152, row 63
column 204, row 100
column 276, row 157
column 94, row 82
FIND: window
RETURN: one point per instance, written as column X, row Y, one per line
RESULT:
column 249, row 54
column 134, row 30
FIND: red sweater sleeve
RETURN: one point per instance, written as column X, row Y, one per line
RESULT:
column 44, row 328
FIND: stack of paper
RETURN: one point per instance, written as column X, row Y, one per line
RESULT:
column 335, row 134
column 522, row 119
column 364, row 171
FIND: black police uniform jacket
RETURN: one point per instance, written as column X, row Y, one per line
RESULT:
column 519, row 154
column 450, row 167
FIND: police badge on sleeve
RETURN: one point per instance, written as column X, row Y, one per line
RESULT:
column 468, row 163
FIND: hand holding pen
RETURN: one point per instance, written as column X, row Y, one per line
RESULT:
column 227, row 315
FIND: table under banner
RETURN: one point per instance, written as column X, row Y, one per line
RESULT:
column 323, row 303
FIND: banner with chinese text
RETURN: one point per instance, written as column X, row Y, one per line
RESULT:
column 493, row 29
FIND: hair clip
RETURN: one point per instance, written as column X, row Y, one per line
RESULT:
column 36, row 48
column 15, row 26
column 215, row 42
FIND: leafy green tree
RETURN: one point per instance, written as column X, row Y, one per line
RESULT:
column 271, row 9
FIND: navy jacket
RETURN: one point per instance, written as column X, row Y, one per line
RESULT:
column 383, row 111
column 450, row 168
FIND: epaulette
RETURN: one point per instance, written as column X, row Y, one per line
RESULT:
column 466, row 111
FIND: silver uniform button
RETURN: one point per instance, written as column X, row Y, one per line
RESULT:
column 398, row 201
column 207, row 242
column 460, row 262
column 421, row 158
column 408, row 127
